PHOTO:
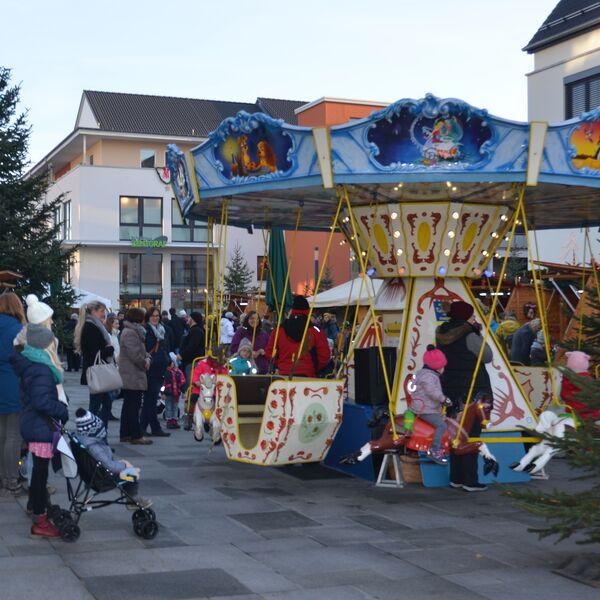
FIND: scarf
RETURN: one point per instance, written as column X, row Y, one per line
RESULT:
column 37, row 355
column 100, row 325
column 158, row 331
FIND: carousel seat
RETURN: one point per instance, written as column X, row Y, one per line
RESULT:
column 271, row 420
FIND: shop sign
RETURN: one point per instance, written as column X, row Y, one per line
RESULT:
column 160, row 242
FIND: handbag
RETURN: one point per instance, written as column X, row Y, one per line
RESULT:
column 102, row 377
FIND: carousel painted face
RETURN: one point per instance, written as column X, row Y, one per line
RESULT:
column 314, row 422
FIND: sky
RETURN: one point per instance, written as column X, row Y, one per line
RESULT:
column 239, row 50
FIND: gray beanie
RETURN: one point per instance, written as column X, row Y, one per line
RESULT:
column 39, row 336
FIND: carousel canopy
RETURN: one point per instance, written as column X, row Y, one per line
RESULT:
column 428, row 150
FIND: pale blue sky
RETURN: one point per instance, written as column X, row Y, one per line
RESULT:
column 238, row 50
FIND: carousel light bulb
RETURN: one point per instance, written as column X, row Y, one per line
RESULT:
column 488, row 273
column 477, row 271
column 363, row 253
column 396, row 234
column 451, row 234
column 351, row 237
column 400, row 185
column 447, row 252
column 518, row 222
column 442, row 270
column 485, row 253
column 395, row 188
column 504, row 218
column 455, row 215
column 394, row 216
column 506, row 239
column 494, row 235
column 454, row 188
column 399, row 252
column 448, row 184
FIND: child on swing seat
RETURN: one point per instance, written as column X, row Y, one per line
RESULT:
column 241, row 362
column 428, row 399
column 210, row 365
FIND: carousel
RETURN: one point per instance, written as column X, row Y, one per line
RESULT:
column 424, row 192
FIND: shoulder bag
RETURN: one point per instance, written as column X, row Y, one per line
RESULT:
column 103, row 377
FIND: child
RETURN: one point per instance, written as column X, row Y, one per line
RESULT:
column 578, row 362
column 41, row 374
column 428, row 399
column 209, row 365
column 241, row 363
column 92, row 434
column 174, row 385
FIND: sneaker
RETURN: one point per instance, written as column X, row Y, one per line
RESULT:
column 139, row 502
column 475, row 487
column 456, row 486
column 437, row 456
column 124, row 440
column 141, row 441
column 44, row 529
column 160, row 433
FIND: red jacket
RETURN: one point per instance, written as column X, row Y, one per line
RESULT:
column 316, row 350
column 203, row 367
column 174, row 382
column 568, row 393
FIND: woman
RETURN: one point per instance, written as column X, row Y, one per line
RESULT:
column 134, row 361
column 91, row 338
column 41, row 374
column 156, row 345
column 250, row 329
column 460, row 340
column 114, row 330
column 12, row 319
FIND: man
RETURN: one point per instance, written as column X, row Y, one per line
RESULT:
column 73, row 359
column 522, row 340
column 169, row 334
column 177, row 326
column 291, row 359
column 193, row 344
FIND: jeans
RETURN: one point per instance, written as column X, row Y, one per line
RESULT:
column 130, row 414
column 10, row 448
column 170, row 407
column 437, row 420
column 38, row 494
column 148, row 415
column 100, row 405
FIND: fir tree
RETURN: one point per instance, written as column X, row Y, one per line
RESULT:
column 29, row 241
column 238, row 276
column 327, row 281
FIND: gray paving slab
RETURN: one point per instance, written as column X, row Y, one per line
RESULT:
column 284, row 519
column 167, row 584
column 342, row 592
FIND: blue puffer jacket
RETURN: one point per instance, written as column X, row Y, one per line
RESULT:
column 40, row 399
column 10, row 397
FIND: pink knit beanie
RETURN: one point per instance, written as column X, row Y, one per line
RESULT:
column 434, row 359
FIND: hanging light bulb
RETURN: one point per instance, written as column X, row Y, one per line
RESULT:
column 494, row 235
column 447, row 252
column 451, row 234
column 448, row 184
column 504, row 218
column 485, row 253
column 455, row 215
column 442, row 270
column 394, row 216
column 399, row 252
column 396, row 234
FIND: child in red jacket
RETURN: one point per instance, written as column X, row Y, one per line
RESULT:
column 174, row 386
column 578, row 362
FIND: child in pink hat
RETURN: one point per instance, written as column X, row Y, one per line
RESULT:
column 428, row 399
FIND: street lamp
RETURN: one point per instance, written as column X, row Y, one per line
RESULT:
column 316, row 266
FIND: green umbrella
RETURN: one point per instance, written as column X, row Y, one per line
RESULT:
column 278, row 266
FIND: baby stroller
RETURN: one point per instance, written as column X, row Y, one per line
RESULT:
column 86, row 479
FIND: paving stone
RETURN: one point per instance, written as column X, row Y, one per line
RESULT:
column 158, row 487
column 420, row 588
column 43, row 583
column 344, row 592
column 450, row 560
column 379, row 523
column 278, row 545
column 169, row 584
column 285, row 519
column 435, row 537
column 336, row 578
column 330, row 536
column 311, row 471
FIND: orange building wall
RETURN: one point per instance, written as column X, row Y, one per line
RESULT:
column 303, row 266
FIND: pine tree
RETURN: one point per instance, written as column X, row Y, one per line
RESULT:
column 327, row 281
column 239, row 275
column 575, row 512
column 29, row 241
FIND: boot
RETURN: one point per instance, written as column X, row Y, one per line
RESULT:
column 44, row 529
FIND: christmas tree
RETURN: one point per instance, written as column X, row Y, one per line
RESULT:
column 327, row 281
column 238, row 276
column 29, row 232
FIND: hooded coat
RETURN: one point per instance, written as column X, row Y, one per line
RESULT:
column 133, row 356
column 10, row 400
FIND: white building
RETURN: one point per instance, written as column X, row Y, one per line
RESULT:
column 134, row 247
column 565, row 82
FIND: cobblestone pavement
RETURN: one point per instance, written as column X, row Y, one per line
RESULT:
column 230, row 530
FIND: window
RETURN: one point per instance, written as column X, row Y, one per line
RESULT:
column 140, row 274
column 192, row 232
column 582, row 95
column 188, row 280
column 140, row 217
column 147, row 159
column 62, row 220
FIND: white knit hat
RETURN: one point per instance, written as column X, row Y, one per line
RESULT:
column 37, row 312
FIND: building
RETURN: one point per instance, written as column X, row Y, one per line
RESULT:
column 117, row 203
column 565, row 82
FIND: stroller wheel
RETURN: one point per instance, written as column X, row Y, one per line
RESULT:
column 54, row 512
column 145, row 528
column 69, row 531
column 142, row 514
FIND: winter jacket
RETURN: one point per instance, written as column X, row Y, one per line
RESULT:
column 520, row 347
column 460, row 342
column 205, row 367
column 40, row 399
column 192, row 345
column 178, row 327
column 10, row 400
column 568, row 394
column 133, row 357
column 116, row 344
column 159, row 351
column 102, row 452
column 174, row 382
column 241, row 366
column 287, row 348
column 92, row 341
column 227, row 331
column 428, row 396
column 261, row 339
